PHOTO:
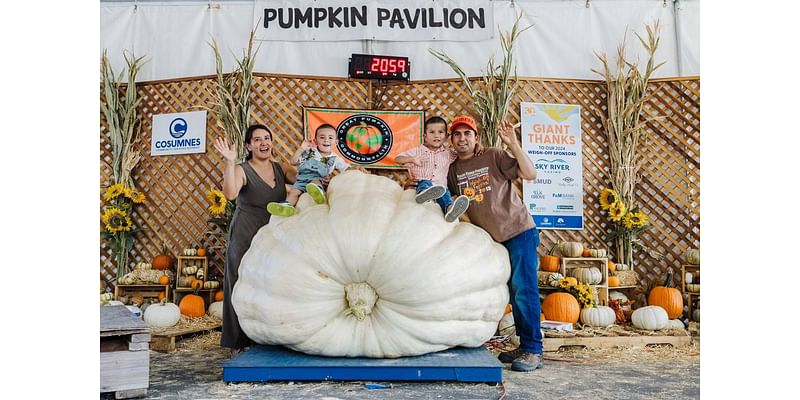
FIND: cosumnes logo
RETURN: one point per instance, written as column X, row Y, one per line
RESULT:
column 364, row 138
column 177, row 129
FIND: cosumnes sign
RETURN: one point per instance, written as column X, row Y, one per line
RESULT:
column 178, row 133
column 336, row 20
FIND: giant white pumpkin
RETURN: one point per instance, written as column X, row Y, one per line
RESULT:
column 370, row 274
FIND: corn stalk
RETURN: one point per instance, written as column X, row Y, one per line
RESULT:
column 624, row 127
column 121, row 117
column 492, row 100
column 232, row 101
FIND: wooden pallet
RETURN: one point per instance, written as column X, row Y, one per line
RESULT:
column 165, row 342
column 124, row 355
column 553, row 344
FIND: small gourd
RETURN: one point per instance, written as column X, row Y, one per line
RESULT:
column 190, row 270
column 553, row 279
column 622, row 267
column 106, row 297
column 693, row 256
column 211, row 285
column 613, row 281
column 201, row 252
column 163, row 280
column 675, row 324
column 597, row 253
column 215, row 309
column 200, row 274
column 219, row 295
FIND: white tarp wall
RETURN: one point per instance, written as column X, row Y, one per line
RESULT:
column 566, row 33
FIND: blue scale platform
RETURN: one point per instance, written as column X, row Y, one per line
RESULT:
column 275, row 363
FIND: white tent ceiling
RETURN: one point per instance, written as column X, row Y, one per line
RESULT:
column 566, row 33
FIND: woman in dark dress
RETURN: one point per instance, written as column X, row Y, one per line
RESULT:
column 254, row 183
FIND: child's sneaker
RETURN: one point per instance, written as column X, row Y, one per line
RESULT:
column 280, row 209
column 431, row 193
column 316, row 193
column 457, row 208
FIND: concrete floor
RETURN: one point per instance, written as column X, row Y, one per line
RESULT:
column 197, row 374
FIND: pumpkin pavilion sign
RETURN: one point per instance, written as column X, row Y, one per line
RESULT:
column 369, row 138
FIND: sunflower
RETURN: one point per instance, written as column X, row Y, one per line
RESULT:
column 617, row 211
column 217, row 200
column 137, row 196
column 116, row 220
column 635, row 219
column 607, row 198
column 114, row 190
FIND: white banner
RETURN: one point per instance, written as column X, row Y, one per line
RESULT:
column 388, row 20
column 551, row 136
column 178, row 133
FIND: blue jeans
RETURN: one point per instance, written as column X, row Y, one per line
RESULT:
column 523, row 289
column 444, row 201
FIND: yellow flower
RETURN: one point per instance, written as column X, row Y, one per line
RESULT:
column 617, row 211
column 635, row 220
column 571, row 281
column 127, row 192
column 137, row 196
column 116, row 220
column 217, row 200
column 113, row 191
column 607, row 198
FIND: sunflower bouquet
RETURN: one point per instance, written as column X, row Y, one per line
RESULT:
column 221, row 210
column 117, row 225
column 628, row 225
column 581, row 291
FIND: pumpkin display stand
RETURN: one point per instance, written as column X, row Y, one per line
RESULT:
column 615, row 336
column 264, row 363
column 183, row 279
column 164, row 339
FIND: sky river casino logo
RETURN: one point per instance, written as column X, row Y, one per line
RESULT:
column 364, row 138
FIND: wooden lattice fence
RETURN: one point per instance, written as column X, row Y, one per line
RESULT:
column 176, row 186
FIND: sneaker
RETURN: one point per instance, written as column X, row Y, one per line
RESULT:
column 457, row 208
column 316, row 193
column 509, row 356
column 431, row 193
column 527, row 362
column 280, row 209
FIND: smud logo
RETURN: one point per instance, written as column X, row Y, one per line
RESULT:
column 364, row 138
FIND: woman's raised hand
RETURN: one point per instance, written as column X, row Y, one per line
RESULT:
column 226, row 150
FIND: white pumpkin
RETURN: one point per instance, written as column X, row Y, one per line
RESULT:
column 411, row 283
column 554, row 278
column 215, row 310
column 675, row 324
column 591, row 276
column 162, row 315
column 693, row 256
column 617, row 295
column 597, row 253
column 622, row 267
column 601, row 316
column 651, row 318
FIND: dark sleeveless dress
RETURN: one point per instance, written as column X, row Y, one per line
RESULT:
column 250, row 215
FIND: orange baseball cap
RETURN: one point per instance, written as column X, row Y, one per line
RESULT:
column 464, row 120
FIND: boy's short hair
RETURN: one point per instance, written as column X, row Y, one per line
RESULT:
column 436, row 120
column 323, row 126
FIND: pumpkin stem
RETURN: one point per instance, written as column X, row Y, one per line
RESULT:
column 552, row 250
column 668, row 281
column 361, row 298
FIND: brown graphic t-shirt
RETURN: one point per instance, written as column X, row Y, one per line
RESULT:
column 488, row 181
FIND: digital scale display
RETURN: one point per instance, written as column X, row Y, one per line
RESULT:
column 369, row 66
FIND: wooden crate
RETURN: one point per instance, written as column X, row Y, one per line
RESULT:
column 186, row 261
column 124, row 353
column 147, row 291
column 568, row 263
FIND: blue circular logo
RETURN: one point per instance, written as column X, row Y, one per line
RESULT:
column 178, row 127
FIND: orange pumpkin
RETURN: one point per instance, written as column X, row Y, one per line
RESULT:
column 193, row 306
column 163, row 260
column 201, row 252
column 163, row 280
column 667, row 298
column 562, row 307
column 613, row 281
column 197, row 283
column 550, row 263
column 611, row 266
column 508, row 309
column 586, row 252
column 162, row 296
column 219, row 295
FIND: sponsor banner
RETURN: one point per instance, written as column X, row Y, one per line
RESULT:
column 368, row 138
column 551, row 136
column 393, row 20
column 178, row 133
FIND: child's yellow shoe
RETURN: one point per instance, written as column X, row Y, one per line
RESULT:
column 280, row 209
column 316, row 193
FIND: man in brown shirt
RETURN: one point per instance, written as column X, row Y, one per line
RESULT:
column 487, row 179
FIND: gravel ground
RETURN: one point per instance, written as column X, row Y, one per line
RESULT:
column 194, row 371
